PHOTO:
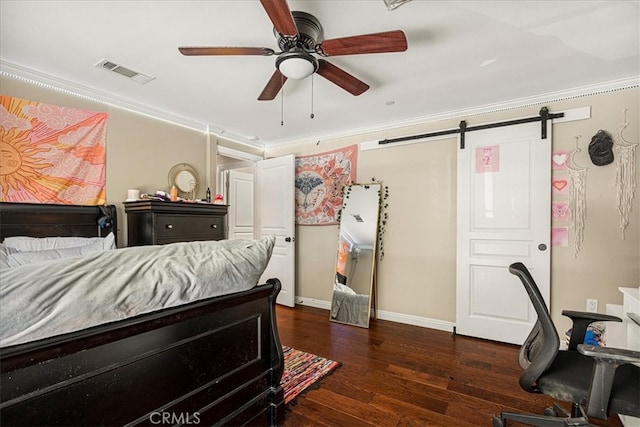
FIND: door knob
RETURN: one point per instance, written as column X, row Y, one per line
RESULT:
column 289, row 239
column 542, row 247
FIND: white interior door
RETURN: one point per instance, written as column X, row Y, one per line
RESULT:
column 504, row 204
column 239, row 197
column 275, row 214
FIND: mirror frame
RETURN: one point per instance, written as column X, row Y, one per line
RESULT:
column 334, row 314
column 178, row 170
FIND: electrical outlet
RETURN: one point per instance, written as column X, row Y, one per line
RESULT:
column 592, row 305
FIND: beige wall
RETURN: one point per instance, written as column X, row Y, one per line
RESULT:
column 417, row 275
column 140, row 150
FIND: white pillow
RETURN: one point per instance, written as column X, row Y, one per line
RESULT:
column 344, row 289
column 24, row 243
column 15, row 259
column 4, row 254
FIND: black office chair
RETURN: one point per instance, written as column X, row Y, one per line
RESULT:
column 597, row 381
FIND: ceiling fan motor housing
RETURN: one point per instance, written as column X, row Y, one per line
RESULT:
column 310, row 33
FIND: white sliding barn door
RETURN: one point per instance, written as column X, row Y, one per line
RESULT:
column 504, row 204
column 275, row 214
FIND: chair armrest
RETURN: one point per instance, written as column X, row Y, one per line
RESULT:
column 590, row 315
column 606, row 362
column 618, row 356
column 581, row 321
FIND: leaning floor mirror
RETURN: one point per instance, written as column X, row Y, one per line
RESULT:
column 356, row 255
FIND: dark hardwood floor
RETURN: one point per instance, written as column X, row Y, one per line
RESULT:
column 401, row 375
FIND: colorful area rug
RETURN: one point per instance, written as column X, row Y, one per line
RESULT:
column 302, row 371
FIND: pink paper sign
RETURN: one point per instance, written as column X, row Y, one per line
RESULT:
column 560, row 236
column 487, row 159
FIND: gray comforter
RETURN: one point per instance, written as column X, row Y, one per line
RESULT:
column 55, row 297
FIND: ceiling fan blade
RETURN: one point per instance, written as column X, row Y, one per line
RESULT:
column 194, row 51
column 273, row 87
column 389, row 41
column 280, row 15
column 341, row 78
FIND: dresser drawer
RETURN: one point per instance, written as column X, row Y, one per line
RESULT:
column 203, row 227
column 151, row 222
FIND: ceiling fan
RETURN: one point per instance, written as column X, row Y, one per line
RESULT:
column 300, row 36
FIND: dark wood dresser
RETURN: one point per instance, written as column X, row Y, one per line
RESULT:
column 152, row 222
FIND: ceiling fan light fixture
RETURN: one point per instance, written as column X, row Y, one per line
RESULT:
column 394, row 4
column 297, row 64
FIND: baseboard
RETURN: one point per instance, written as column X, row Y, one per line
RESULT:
column 410, row 319
column 310, row 302
column 391, row 316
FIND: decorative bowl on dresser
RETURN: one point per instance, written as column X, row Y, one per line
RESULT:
column 152, row 222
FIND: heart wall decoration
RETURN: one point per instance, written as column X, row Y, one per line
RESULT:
column 559, row 184
column 559, row 159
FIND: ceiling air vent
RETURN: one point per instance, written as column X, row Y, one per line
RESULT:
column 124, row 71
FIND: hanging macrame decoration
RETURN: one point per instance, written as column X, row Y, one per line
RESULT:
column 577, row 199
column 625, row 174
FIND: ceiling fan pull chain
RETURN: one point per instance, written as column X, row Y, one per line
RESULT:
column 312, row 115
column 282, row 103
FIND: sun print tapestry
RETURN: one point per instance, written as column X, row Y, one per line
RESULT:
column 51, row 154
column 319, row 181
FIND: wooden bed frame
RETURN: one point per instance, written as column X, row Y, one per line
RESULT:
column 41, row 220
column 217, row 361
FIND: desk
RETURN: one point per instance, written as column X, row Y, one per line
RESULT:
column 627, row 333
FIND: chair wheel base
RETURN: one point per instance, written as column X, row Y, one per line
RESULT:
column 554, row 417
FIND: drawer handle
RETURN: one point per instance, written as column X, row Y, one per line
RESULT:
column 214, row 225
column 169, row 226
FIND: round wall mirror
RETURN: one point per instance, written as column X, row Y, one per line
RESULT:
column 185, row 178
column 185, row 181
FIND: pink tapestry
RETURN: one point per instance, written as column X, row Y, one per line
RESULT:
column 51, row 154
column 319, row 182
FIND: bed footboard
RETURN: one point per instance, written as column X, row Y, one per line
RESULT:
column 212, row 362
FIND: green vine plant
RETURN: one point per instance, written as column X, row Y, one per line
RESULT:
column 383, row 216
column 383, row 195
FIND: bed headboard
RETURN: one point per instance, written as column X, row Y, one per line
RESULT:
column 46, row 220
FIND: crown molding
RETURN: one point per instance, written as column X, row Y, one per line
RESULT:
column 74, row 89
column 237, row 154
column 541, row 99
column 47, row 81
column 42, row 79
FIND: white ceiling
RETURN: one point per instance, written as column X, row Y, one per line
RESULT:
column 463, row 56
